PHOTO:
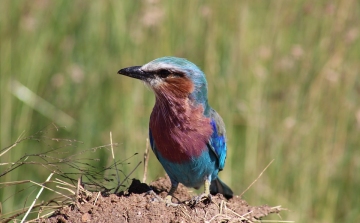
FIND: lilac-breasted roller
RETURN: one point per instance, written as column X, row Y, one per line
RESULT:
column 186, row 134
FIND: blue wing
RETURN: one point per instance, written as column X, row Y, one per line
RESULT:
column 217, row 142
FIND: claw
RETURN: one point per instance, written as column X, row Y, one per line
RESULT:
column 157, row 197
column 204, row 196
column 167, row 199
column 201, row 198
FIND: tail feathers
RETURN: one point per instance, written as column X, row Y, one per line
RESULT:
column 217, row 186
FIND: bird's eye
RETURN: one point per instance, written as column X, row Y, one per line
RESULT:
column 163, row 73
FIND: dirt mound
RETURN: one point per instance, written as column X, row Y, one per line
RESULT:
column 137, row 205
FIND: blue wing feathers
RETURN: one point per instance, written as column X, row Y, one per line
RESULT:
column 218, row 138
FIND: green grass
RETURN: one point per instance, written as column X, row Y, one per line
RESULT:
column 284, row 75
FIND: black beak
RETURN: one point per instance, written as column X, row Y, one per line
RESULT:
column 135, row 72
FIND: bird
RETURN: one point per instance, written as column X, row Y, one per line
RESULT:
column 187, row 136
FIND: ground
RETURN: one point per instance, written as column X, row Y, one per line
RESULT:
column 137, row 205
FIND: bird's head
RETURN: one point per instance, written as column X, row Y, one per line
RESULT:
column 172, row 76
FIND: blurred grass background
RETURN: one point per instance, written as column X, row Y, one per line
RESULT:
column 284, row 75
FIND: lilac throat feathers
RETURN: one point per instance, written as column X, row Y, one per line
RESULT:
column 178, row 126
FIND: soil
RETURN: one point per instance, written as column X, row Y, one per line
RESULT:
column 138, row 205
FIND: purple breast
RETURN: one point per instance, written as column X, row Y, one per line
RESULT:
column 180, row 130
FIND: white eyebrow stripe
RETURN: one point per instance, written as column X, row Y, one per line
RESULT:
column 157, row 66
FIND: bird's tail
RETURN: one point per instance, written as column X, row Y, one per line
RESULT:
column 217, row 186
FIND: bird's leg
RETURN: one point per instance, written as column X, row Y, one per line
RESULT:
column 205, row 195
column 169, row 196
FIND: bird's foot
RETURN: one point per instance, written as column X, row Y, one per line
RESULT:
column 167, row 199
column 206, row 198
column 156, row 197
